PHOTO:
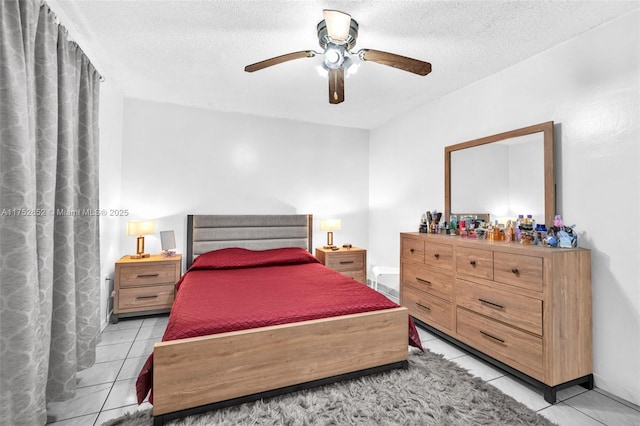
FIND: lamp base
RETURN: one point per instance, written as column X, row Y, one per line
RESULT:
column 139, row 256
column 332, row 247
column 139, row 249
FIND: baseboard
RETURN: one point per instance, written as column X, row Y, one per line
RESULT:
column 617, row 392
column 384, row 289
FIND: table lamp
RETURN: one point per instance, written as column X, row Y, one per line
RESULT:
column 140, row 229
column 329, row 225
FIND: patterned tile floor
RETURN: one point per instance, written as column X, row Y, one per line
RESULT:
column 107, row 390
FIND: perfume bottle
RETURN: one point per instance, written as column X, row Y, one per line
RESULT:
column 453, row 225
column 508, row 231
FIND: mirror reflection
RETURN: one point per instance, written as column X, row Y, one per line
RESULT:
column 502, row 176
column 504, row 179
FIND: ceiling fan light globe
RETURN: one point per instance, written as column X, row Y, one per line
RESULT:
column 333, row 57
column 338, row 24
column 323, row 70
column 350, row 67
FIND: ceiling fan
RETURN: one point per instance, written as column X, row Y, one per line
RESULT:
column 337, row 34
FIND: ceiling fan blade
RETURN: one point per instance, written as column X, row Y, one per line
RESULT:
column 338, row 24
column 397, row 61
column 336, row 85
column 279, row 59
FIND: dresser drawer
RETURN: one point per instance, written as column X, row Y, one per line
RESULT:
column 474, row 262
column 514, row 309
column 518, row 270
column 149, row 297
column 438, row 255
column 412, row 250
column 428, row 308
column 147, row 274
column 513, row 347
column 435, row 281
column 346, row 262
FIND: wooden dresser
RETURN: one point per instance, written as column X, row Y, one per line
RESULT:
column 524, row 308
column 350, row 262
column 145, row 285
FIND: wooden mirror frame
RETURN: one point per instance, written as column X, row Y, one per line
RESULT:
column 549, row 175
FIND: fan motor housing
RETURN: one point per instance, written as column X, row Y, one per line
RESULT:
column 324, row 40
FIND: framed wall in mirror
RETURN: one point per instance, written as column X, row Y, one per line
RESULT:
column 503, row 175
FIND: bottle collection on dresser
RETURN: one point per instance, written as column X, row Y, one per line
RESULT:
column 523, row 229
column 525, row 308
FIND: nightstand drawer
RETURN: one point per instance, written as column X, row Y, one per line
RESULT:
column 151, row 274
column 159, row 297
column 356, row 275
column 346, row 262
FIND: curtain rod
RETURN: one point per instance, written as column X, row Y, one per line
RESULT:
column 43, row 3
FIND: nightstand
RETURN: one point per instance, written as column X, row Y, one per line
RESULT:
column 350, row 262
column 144, row 286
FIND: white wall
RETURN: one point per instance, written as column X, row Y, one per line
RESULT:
column 111, row 103
column 590, row 87
column 179, row 160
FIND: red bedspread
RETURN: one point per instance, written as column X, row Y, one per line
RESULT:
column 237, row 289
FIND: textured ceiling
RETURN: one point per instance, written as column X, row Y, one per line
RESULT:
column 194, row 52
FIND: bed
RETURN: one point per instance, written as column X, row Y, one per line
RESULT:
column 257, row 315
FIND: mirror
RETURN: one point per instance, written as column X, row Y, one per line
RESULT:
column 502, row 175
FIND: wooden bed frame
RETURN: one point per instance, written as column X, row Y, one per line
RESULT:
column 200, row 374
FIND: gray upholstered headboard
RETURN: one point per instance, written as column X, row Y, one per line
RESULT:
column 255, row 232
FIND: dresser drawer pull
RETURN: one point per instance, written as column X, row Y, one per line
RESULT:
column 412, row 250
column 497, row 339
column 472, row 262
column 437, row 255
column 423, row 281
column 147, row 275
column 491, row 303
column 515, row 270
column 155, row 296
column 346, row 262
column 423, row 306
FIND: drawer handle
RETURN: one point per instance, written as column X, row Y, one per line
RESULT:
column 147, row 297
column 412, row 250
column 515, row 270
column 497, row 339
column 346, row 262
column 423, row 281
column 437, row 255
column 147, row 275
column 472, row 262
column 491, row 303
column 423, row 306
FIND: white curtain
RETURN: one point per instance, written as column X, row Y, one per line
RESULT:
column 49, row 242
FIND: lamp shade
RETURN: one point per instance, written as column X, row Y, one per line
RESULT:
column 330, row 224
column 338, row 24
column 144, row 227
